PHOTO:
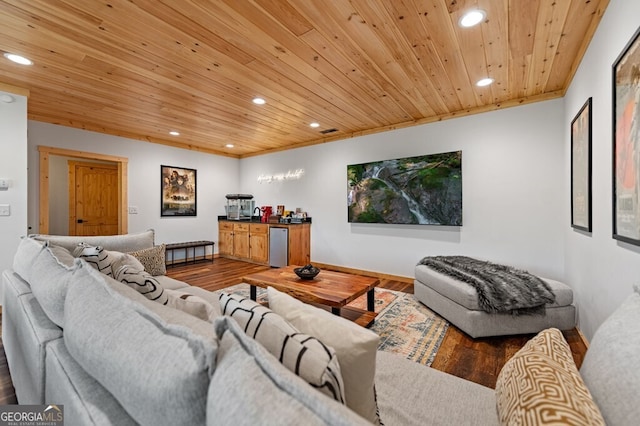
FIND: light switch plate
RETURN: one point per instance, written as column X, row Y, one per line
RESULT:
column 133, row 210
column 4, row 184
column 5, row 210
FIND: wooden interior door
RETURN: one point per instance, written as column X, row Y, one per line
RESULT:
column 93, row 199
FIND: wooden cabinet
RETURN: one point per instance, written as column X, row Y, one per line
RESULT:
column 249, row 241
column 259, row 243
column 300, row 244
column 233, row 239
column 241, row 240
column 225, row 238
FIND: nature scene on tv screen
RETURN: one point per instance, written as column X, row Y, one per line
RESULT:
column 424, row 190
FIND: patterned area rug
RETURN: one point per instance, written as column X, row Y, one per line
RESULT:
column 405, row 326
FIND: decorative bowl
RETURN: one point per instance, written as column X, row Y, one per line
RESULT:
column 307, row 272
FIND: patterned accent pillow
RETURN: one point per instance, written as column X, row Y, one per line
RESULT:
column 96, row 256
column 191, row 304
column 142, row 282
column 540, row 384
column 153, row 259
column 302, row 354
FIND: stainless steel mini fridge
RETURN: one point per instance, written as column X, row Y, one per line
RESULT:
column 278, row 246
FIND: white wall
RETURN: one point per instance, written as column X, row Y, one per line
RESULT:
column 513, row 201
column 216, row 176
column 13, row 166
column 601, row 269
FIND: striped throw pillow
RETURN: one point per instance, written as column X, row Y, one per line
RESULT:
column 95, row 256
column 540, row 384
column 302, row 354
column 143, row 282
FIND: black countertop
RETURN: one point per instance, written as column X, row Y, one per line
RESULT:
column 256, row 219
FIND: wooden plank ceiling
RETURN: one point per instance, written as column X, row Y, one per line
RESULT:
column 141, row 68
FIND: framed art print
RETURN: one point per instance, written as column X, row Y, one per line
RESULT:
column 626, row 143
column 581, row 169
column 177, row 191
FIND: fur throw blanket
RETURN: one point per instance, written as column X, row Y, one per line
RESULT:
column 500, row 288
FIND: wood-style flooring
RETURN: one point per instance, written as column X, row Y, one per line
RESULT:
column 477, row 360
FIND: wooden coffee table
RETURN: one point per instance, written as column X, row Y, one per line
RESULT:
column 328, row 288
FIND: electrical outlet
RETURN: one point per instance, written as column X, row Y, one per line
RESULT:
column 5, row 210
column 133, row 210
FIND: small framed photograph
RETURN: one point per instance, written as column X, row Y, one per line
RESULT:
column 626, row 143
column 581, row 169
column 178, row 191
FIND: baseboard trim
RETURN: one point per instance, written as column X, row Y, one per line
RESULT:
column 380, row 275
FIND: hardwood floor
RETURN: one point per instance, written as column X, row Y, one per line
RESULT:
column 477, row 360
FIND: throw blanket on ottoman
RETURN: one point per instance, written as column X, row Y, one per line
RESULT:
column 500, row 288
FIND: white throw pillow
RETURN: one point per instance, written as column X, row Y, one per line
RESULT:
column 356, row 348
column 122, row 259
column 191, row 304
column 304, row 355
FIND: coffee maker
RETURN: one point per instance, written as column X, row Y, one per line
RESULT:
column 266, row 212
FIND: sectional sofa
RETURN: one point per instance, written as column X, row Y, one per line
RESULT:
column 110, row 355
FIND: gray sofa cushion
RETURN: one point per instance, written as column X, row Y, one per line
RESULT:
column 26, row 331
column 173, row 284
column 168, row 314
column 123, row 243
column 611, row 367
column 250, row 387
column 159, row 372
column 23, row 260
column 85, row 401
column 412, row 394
column 51, row 273
column 467, row 296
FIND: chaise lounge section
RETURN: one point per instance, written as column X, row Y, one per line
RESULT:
column 458, row 303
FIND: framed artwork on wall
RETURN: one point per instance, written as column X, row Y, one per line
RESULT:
column 581, row 169
column 626, row 143
column 177, row 191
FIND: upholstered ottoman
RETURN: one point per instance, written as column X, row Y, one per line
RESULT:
column 457, row 302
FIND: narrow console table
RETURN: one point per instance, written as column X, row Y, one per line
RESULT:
column 171, row 248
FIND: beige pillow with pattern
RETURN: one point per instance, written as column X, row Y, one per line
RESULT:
column 153, row 259
column 540, row 384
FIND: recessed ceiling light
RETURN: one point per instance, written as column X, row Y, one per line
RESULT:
column 18, row 59
column 484, row 82
column 314, row 125
column 259, row 101
column 229, row 145
column 471, row 18
column 174, row 133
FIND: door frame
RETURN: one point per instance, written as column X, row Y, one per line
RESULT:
column 122, row 164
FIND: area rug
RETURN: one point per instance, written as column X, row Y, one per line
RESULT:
column 405, row 326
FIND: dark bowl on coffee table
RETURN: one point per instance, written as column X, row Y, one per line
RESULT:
column 307, row 273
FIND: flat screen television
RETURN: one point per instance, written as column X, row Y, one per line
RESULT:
column 424, row 190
